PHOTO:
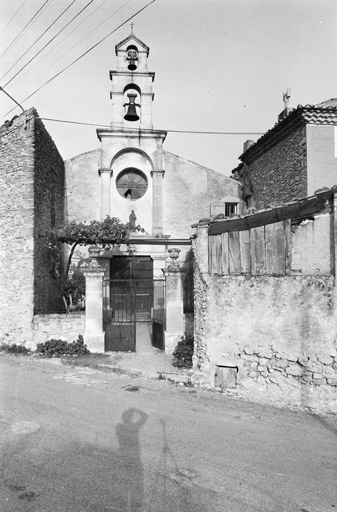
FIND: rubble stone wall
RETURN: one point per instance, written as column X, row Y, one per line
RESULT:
column 66, row 327
column 278, row 332
column 279, row 174
column 48, row 213
column 17, row 229
column 27, row 155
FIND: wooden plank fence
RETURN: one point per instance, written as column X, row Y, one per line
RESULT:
column 256, row 251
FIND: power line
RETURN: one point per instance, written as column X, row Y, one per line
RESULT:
column 38, row 39
column 36, row 15
column 85, row 53
column 11, row 97
column 52, row 39
column 78, row 42
column 150, row 130
column 12, row 18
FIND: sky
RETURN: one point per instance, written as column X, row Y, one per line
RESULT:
column 221, row 65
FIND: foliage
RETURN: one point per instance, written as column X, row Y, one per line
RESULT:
column 111, row 231
column 183, row 353
column 73, row 292
column 57, row 348
column 15, row 349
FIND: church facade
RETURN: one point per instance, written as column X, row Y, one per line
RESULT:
column 133, row 178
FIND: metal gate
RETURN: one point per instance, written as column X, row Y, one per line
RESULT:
column 128, row 301
column 119, row 315
column 158, row 314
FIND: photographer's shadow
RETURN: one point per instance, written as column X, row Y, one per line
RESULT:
column 131, row 471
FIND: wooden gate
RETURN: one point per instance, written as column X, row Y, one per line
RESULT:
column 119, row 315
column 158, row 314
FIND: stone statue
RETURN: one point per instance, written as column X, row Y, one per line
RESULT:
column 132, row 219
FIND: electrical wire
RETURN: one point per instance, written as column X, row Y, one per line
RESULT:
column 12, row 18
column 52, row 39
column 78, row 42
column 85, row 53
column 38, row 39
column 36, row 15
column 150, row 130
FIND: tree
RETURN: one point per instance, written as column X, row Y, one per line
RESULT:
column 109, row 232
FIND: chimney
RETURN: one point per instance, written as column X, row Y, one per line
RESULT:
column 247, row 144
column 286, row 111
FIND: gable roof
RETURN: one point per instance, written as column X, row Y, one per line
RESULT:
column 324, row 114
column 134, row 38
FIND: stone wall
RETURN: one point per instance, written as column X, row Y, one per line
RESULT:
column 279, row 175
column 48, row 213
column 277, row 334
column 27, row 155
column 17, row 229
column 65, row 327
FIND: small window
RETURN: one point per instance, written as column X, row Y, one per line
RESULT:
column 230, row 209
column 131, row 184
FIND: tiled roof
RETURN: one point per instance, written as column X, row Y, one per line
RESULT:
column 325, row 114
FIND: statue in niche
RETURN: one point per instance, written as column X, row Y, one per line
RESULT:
column 132, row 220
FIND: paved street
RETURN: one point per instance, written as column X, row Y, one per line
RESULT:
column 75, row 440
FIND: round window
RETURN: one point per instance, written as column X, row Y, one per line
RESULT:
column 131, row 184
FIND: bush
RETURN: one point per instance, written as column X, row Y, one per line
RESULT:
column 57, row 348
column 15, row 349
column 183, row 353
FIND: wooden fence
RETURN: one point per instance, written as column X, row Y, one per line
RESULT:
column 256, row 251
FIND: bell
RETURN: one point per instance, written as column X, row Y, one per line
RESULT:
column 132, row 57
column 132, row 66
column 131, row 114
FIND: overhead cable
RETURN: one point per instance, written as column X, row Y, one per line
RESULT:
column 11, row 97
column 150, row 130
column 12, row 18
column 78, row 42
column 38, row 39
column 52, row 39
column 36, row 15
column 85, row 53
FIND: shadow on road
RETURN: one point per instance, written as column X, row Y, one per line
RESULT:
column 131, row 467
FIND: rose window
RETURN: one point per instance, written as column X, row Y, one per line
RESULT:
column 131, row 184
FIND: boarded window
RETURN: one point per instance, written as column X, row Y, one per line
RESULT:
column 225, row 377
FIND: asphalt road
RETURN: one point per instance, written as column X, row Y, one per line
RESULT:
column 75, row 440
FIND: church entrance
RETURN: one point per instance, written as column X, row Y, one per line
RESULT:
column 131, row 296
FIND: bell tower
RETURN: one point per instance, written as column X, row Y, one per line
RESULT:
column 131, row 167
column 131, row 93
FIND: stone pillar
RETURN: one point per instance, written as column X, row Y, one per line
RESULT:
column 334, row 245
column 174, row 277
column 94, row 335
column 117, row 98
column 146, row 110
column 105, row 185
column 201, row 244
column 157, row 203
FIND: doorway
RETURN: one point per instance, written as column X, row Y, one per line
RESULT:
column 132, row 296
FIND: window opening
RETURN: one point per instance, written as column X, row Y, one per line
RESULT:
column 230, row 209
column 131, row 184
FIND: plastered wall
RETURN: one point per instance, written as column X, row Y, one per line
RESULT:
column 279, row 333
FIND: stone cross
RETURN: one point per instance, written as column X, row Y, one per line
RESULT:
column 132, row 24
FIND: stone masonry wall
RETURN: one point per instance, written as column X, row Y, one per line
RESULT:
column 28, row 158
column 279, row 175
column 280, row 333
column 48, row 213
column 65, row 327
column 17, row 229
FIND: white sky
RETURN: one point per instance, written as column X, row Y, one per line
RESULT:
column 221, row 65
